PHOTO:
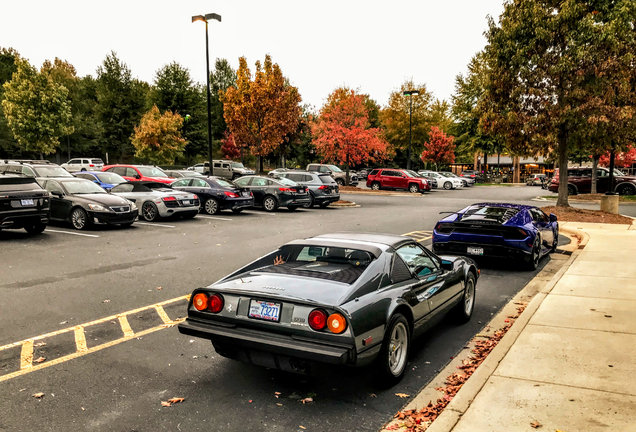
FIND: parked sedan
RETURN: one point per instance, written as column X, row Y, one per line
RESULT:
column 443, row 181
column 323, row 189
column 140, row 173
column 157, row 200
column 216, row 194
column 466, row 181
column 344, row 298
column 182, row 173
column 106, row 180
column 271, row 193
column 499, row 230
column 82, row 203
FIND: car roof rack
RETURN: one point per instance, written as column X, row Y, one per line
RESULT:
column 29, row 161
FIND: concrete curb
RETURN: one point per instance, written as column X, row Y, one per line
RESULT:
column 412, row 195
column 465, row 396
column 350, row 204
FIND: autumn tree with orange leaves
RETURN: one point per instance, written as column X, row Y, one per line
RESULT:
column 262, row 110
column 158, row 139
column 439, row 149
column 229, row 149
column 342, row 132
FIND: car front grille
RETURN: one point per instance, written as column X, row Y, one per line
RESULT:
column 122, row 209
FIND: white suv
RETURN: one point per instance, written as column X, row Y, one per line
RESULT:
column 83, row 164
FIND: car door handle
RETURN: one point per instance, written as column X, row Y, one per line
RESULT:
column 430, row 292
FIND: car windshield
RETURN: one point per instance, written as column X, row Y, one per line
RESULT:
column 237, row 165
column 224, row 183
column 447, row 175
column 411, row 173
column 151, row 172
column 285, row 181
column 110, row 178
column 52, row 171
column 82, row 187
column 618, row 173
column 334, row 168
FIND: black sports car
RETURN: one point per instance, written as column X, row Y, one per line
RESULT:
column 82, row 203
column 216, row 194
column 344, row 298
column 271, row 193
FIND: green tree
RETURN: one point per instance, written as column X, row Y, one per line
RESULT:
column 9, row 146
column 561, row 72
column 221, row 78
column 121, row 101
column 158, row 139
column 37, row 108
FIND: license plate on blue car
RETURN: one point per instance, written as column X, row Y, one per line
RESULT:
column 475, row 250
column 268, row 311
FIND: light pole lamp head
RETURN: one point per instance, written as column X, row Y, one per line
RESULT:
column 207, row 17
column 411, row 93
column 198, row 18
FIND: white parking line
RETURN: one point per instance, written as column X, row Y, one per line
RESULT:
column 212, row 217
column 155, row 224
column 73, row 233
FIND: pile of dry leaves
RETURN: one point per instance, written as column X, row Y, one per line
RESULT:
column 420, row 420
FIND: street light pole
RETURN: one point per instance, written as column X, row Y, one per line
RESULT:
column 205, row 19
column 410, row 93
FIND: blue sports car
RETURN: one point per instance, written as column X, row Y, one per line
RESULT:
column 106, row 180
column 498, row 230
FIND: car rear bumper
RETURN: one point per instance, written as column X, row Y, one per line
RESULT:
column 327, row 198
column 294, row 200
column 493, row 250
column 20, row 219
column 235, row 339
column 234, row 204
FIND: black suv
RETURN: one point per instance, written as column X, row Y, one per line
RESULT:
column 322, row 187
column 33, row 169
column 23, row 204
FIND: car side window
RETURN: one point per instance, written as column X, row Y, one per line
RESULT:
column 295, row 177
column 257, row 181
column 324, row 169
column 181, row 183
column 418, row 261
column 538, row 215
column 374, row 172
column 243, row 181
column 118, row 170
column 217, row 165
column 399, row 270
column 73, row 162
column 52, row 186
column 85, row 161
column 602, row 173
column 85, row 176
column 308, row 178
column 131, row 172
column 27, row 172
column 123, row 188
column 199, row 183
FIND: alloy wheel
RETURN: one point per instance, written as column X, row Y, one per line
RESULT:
column 627, row 190
column 469, row 297
column 448, row 185
column 78, row 218
column 149, row 211
column 398, row 349
column 413, row 188
column 375, row 186
column 269, row 203
column 211, row 206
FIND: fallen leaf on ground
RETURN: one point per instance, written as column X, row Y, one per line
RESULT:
column 165, row 403
column 302, row 427
column 39, row 360
column 159, row 288
column 535, row 424
column 176, row 400
column 279, row 404
column 608, row 316
column 250, row 401
column 167, row 325
column 106, row 301
column 39, row 344
column 306, row 400
column 373, row 395
column 402, row 395
column 38, row 395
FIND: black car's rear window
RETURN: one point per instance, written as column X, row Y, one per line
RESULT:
column 326, row 179
column 331, row 263
column 9, row 184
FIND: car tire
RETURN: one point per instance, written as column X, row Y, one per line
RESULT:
column 626, row 190
column 448, row 185
column 83, row 169
column 572, row 190
column 211, row 206
column 149, row 211
column 555, row 242
column 35, row 228
column 464, row 183
column 394, row 352
column 413, row 188
column 270, row 203
column 79, row 218
column 237, row 211
column 464, row 310
column 340, row 182
column 533, row 261
column 310, row 204
column 375, row 186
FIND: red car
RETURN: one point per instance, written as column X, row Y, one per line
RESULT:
column 140, row 173
column 385, row 178
column 580, row 181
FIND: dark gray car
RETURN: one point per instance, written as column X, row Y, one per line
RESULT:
column 343, row 298
column 323, row 189
column 271, row 193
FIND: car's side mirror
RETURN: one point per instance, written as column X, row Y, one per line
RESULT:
column 137, row 176
column 58, row 194
column 447, row 265
column 553, row 217
column 96, row 181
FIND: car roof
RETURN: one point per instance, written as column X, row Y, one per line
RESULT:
column 392, row 240
column 506, row 205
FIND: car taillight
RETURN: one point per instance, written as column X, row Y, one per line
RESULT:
column 195, row 197
column 286, row 190
column 473, row 175
column 200, row 301
column 169, row 198
column 318, row 319
column 231, row 194
column 323, row 187
column 336, row 323
column 91, row 165
column 215, row 303
column 523, row 233
column 251, row 194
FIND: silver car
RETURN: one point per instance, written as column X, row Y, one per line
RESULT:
column 467, row 181
column 157, row 200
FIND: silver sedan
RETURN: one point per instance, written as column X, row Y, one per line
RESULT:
column 157, row 200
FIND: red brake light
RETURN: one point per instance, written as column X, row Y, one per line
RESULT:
column 323, row 187
column 231, row 194
column 169, row 198
column 200, row 301
column 196, row 197
column 318, row 319
column 286, row 190
column 215, row 303
column 251, row 194
column 91, row 165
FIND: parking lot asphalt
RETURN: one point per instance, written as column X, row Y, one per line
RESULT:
column 59, row 280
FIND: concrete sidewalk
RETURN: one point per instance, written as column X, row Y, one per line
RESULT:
column 572, row 367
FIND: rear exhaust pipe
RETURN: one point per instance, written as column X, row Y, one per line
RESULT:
column 298, row 366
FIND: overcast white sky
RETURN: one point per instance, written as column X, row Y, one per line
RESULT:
column 371, row 45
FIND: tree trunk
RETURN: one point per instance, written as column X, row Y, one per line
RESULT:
column 475, row 160
column 562, row 200
column 257, row 165
column 260, row 164
column 516, row 174
column 595, row 160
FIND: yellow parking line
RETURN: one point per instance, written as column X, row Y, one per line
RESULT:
column 82, row 353
column 424, row 239
column 26, row 355
column 125, row 327
column 162, row 313
column 80, row 339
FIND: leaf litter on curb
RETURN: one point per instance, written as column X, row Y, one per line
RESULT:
column 535, row 424
column 172, row 401
column 420, row 420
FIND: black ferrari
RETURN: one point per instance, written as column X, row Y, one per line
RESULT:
column 344, row 298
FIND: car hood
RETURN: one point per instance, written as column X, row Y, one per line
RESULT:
column 289, row 287
column 104, row 199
